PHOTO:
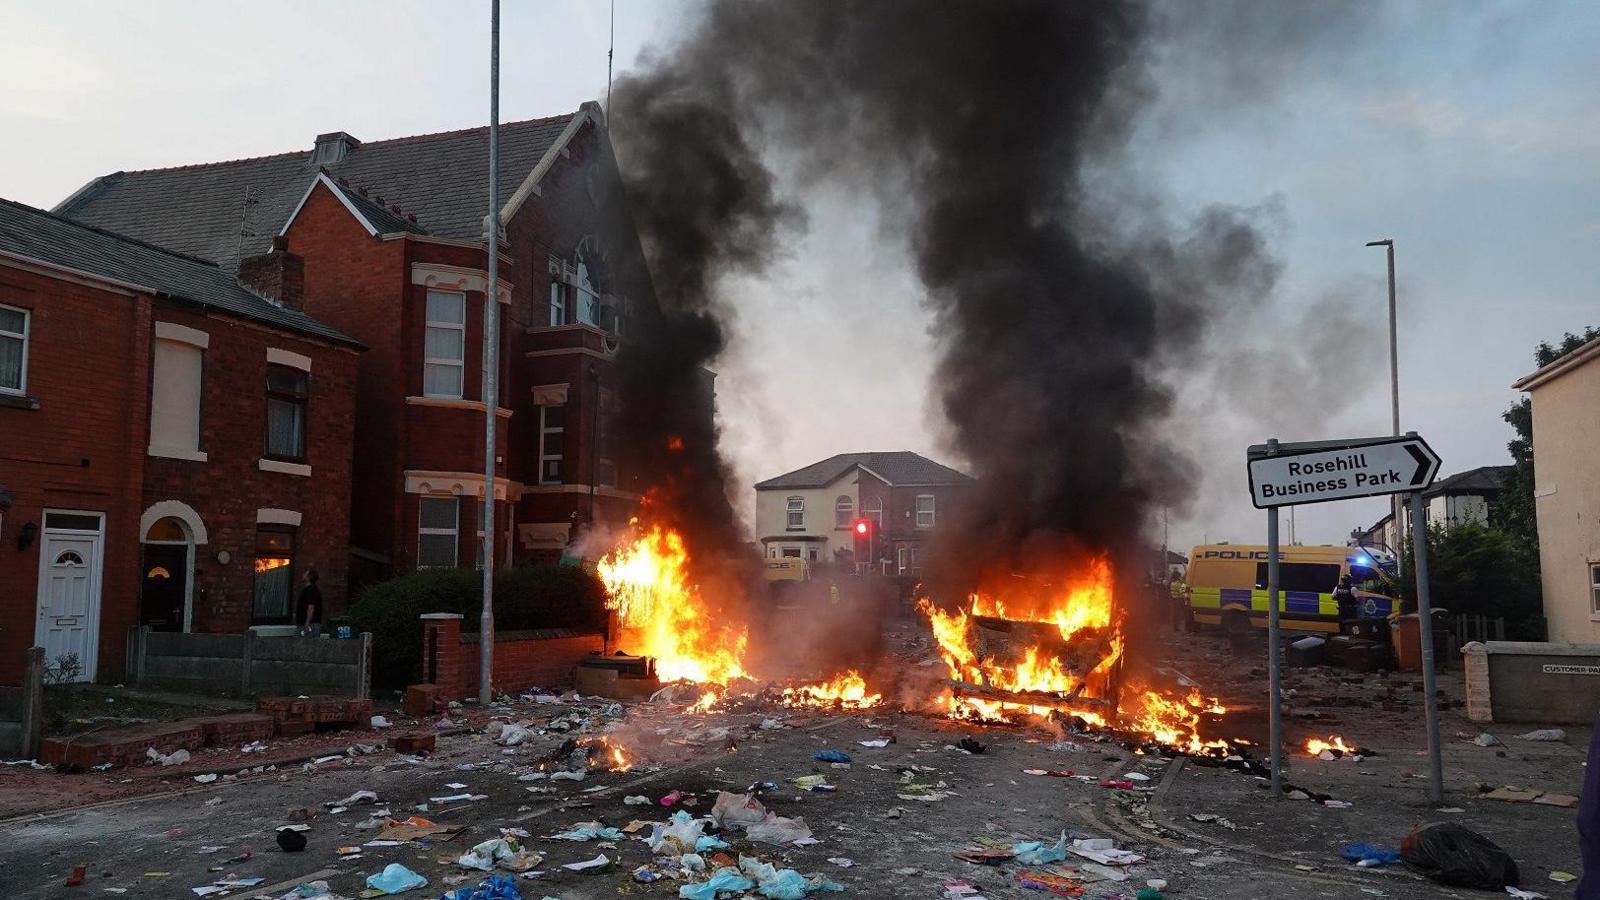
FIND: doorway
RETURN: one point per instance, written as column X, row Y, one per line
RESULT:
column 68, row 627
column 165, row 588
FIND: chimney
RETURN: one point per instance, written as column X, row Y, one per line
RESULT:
column 277, row 274
column 333, row 147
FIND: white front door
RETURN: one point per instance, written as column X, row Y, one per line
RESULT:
column 69, row 591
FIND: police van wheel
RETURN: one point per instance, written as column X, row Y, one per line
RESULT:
column 1236, row 625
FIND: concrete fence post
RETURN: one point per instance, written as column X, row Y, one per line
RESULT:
column 364, row 668
column 32, row 702
column 247, row 661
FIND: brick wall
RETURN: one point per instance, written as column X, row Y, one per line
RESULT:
column 83, row 448
column 228, row 489
column 522, row 659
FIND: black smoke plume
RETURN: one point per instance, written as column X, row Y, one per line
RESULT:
column 981, row 129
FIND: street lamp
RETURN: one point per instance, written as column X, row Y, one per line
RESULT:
column 1394, row 387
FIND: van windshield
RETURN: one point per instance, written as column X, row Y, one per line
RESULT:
column 1364, row 578
column 1316, row 578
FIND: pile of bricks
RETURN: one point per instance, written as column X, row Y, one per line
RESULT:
column 274, row 717
column 298, row 715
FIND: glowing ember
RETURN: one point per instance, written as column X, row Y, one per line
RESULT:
column 1316, row 746
column 619, row 760
column 661, row 614
column 1173, row 723
column 848, row 691
column 705, row 703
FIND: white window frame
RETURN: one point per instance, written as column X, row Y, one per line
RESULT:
column 872, row 510
column 427, row 360
column 558, row 303
column 583, row 290
column 1594, row 589
column 454, row 532
column 794, row 514
column 22, row 378
column 844, row 511
column 552, row 436
column 929, row 512
column 900, row 558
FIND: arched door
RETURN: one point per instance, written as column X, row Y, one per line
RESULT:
column 168, row 560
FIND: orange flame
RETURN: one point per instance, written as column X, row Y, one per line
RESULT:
column 847, row 691
column 662, row 615
column 1315, row 746
column 705, row 703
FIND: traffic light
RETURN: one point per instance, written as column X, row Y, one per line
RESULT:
column 862, row 530
column 862, row 527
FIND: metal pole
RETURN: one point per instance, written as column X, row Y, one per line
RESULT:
column 1274, row 670
column 1396, row 504
column 1419, row 540
column 491, row 364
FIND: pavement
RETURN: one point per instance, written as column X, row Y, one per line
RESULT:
column 166, row 844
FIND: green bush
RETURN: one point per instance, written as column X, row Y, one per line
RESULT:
column 524, row 598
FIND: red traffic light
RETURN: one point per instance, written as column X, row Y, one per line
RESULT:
column 861, row 526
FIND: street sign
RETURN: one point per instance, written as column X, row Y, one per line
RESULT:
column 1320, row 471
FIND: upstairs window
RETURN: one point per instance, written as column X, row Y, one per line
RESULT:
column 1594, row 589
column 175, row 400
column 438, row 531
column 558, row 303
column 873, row 509
column 924, row 510
column 444, row 356
column 552, row 444
column 843, row 511
column 287, row 390
column 587, row 305
column 13, row 350
column 795, row 514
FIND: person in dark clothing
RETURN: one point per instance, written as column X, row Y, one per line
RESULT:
column 308, row 609
column 1345, row 596
column 1589, row 822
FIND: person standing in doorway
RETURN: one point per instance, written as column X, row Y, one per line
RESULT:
column 308, row 609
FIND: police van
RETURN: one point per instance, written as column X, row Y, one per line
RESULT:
column 1228, row 586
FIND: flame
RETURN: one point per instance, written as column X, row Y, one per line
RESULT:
column 619, row 760
column 1173, row 722
column 847, row 691
column 661, row 614
column 1315, row 746
column 705, row 703
column 268, row 563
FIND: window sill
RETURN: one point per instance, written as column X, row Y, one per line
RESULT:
column 18, row 401
column 287, row 468
column 178, row 453
column 456, row 403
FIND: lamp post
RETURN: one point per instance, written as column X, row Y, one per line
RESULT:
column 491, row 365
column 1394, row 393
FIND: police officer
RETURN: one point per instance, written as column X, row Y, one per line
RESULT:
column 1345, row 596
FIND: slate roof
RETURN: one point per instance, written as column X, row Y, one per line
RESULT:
column 897, row 466
column 1485, row 479
column 198, row 209
column 49, row 238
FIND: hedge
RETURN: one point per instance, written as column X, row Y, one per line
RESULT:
column 524, row 598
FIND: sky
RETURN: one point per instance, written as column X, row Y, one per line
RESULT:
column 1467, row 133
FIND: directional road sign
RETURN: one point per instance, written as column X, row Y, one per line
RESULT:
column 1339, row 470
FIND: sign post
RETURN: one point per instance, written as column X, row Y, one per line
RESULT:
column 1321, row 471
column 1274, row 646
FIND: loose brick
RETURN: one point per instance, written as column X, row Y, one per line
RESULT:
column 413, row 743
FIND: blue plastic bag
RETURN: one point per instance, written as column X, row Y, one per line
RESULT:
column 1359, row 852
column 1035, row 853
column 495, row 887
column 726, row 880
column 831, row 756
column 395, row 879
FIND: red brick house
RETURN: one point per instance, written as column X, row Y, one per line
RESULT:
column 809, row 513
column 174, row 444
column 393, row 241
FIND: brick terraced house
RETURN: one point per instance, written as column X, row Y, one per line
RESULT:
column 392, row 235
column 175, row 443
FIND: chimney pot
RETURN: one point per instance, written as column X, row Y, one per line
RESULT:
column 394, row 208
column 411, row 217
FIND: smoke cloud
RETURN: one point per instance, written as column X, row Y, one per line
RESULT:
column 986, row 133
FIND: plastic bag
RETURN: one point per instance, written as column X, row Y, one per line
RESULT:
column 395, row 879
column 1361, row 852
column 1459, row 857
column 1036, row 853
column 776, row 829
column 725, row 881
column 732, row 810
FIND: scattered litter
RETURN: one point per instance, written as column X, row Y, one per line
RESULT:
column 1524, row 895
column 725, row 881
column 1450, row 809
column 1458, row 857
column 971, row 745
column 831, row 756
column 1487, row 740
column 843, row 862
column 1214, row 818
column 455, row 786
column 595, row 863
column 635, row 801
column 1059, row 884
column 569, row 776
column 253, row 747
column 1562, row 800
column 458, row 797
column 291, row 839
column 175, row 758
column 354, row 799
column 1337, row 804
column 1563, row 877
column 416, row 828
column 1104, row 851
column 881, row 742
column 985, row 856
column 1137, row 776
column 206, row 778
column 1543, row 734
column 380, row 722
column 76, row 878
column 588, row 831
column 395, row 879
column 1036, row 853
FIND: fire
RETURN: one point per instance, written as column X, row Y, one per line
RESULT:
column 705, row 703
column 661, row 614
column 848, row 691
column 619, row 760
column 1316, row 746
column 1173, row 723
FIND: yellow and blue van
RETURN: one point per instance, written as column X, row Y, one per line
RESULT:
column 1228, row 586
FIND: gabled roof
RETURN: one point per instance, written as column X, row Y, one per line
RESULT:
column 199, row 209
column 896, row 467
column 1482, row 480
column 374, row 217
column 1561, row 365
column 33, row 235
